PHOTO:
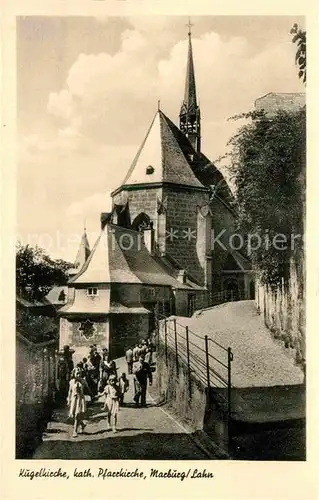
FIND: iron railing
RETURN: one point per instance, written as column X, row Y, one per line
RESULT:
column 205, row 359
column 226, row 296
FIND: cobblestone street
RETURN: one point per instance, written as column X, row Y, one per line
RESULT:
column 143, row 433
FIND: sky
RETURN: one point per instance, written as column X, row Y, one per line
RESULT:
column 88, row 89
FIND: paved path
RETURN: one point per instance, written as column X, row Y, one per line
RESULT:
column 143, row 433
column 259, row 359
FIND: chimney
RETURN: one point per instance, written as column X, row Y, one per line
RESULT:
column 181, row 276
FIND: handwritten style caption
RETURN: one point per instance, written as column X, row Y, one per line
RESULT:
column 121, row 473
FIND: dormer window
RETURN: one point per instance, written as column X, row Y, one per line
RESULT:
column 92, row 292
column 62, row 296
column 149, row 170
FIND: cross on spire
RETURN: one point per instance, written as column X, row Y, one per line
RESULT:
column 189, row 25
column 190, row 114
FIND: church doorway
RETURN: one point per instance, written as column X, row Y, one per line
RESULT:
column 231, row 290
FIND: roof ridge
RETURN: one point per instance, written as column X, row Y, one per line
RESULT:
column 140, row 149
column 88, row 260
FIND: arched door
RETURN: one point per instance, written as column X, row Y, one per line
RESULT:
column 231, row 290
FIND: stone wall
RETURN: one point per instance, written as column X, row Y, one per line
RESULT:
column 201, row 300
column 128, row 295
column 141, row 200
column 172, row 386
column 126, row 330
column 223, row 224
column 193, row 403
column 71, row 335
column 182, row 224
column 35, row 392
column 283, row 311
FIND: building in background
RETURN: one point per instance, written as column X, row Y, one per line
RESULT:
column 275, row 101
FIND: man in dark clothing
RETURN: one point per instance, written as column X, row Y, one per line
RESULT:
column 142, row 372
column 68, row 353
column 94, row 369
column 129, row 360
column 63, row 378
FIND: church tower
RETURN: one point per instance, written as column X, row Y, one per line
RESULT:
column 189, row 117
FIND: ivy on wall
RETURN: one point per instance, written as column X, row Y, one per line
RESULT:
column 267, row 164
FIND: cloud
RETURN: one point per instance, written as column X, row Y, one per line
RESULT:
column 101, row 113
column 61, row 104
column 91, row 205
column 105, row 94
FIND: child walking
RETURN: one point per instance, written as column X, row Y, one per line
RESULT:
column 112, row 393
column 124, row 386
column 76, row 401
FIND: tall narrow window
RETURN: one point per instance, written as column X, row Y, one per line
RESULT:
column 191, row 304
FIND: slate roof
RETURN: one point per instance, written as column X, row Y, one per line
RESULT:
column 120, row 256
column 174, row 160
column 55, row 293
column 275, row 101
column 106, row 263
column 161, row 151
column 204, row 170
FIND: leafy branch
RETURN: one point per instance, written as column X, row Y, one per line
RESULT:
column 300, row 38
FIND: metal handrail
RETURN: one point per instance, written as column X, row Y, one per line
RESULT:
column 194, row 359
column 191, row 331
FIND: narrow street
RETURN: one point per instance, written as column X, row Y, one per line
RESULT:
column 143, row 433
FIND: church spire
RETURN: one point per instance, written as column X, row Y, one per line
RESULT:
column 190, row 114
column 82, row 255
column 83, row 252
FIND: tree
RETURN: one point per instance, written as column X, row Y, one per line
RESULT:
column 300, row 37
column 37, row 273
column 268, row 159
column 38, row 328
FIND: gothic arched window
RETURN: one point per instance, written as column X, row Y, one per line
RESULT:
column 142, row 222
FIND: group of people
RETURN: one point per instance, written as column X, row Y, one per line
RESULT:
column 139, row 363
column 134, row 352
column 96, row 376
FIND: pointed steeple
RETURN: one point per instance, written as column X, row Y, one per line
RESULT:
column 82, row 255
column 190, row 102
column 190, row 113
column 83, row 252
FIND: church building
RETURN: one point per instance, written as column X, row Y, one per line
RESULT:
column 156, row 247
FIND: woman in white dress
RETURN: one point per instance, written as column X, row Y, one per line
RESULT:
column 76, row 401
column 112, row 395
